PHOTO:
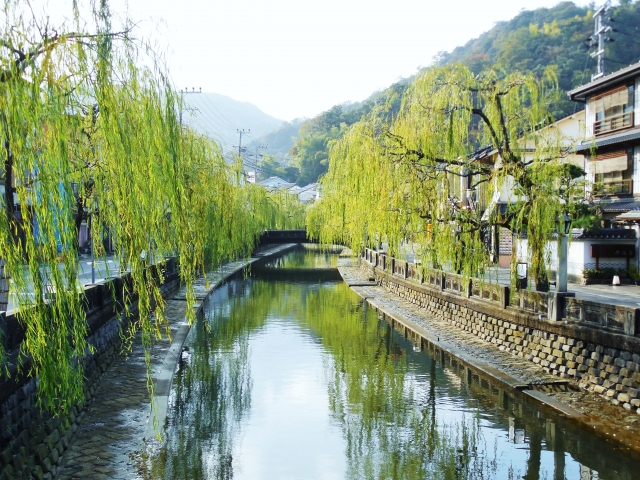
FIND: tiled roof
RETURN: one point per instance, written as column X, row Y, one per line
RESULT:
column 619, row 207
column 481, row 153
column 609, row 234
column 275, row 182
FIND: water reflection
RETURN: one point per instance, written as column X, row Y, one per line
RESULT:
column 300, row 380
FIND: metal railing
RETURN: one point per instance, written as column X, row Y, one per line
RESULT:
column 617, row 187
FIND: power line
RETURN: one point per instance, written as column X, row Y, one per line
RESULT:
column 219, row 121
column 216, row 109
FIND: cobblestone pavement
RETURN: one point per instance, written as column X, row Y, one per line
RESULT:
column 114, row 423
column 596, row 409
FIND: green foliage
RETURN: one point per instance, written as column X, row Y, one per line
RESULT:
column 531, row 42
column 78, row 109
column 411, row 178
column 280, row 141
column 536, row 39
column 608, row 273
column 270, row 166
column 311, row 150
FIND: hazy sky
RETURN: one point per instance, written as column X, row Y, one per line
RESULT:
column 297, row 58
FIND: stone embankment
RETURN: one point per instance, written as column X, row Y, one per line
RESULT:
column 582, row 374
column 99, row 437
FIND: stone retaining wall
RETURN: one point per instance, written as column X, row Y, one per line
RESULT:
column 31, row 441
column 599, row 361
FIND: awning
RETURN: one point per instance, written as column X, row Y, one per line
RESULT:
column 631, row 216
column 608, row 165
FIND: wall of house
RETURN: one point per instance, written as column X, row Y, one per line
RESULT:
column 590, row 117
column 578, row 256
column 636, row 109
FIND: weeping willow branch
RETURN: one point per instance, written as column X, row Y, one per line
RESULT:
column 416, row 176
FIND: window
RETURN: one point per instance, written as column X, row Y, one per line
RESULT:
column 613, row 109
column 613, row 173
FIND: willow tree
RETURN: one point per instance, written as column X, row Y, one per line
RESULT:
column 86, row 126
column 422, row 176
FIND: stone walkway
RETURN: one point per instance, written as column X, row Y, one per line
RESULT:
column 116, row 422
column 589, row 408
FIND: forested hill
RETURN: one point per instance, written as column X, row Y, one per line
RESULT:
column 530, row 42
column 533, row 40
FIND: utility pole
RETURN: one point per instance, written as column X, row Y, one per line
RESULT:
column 599, row 38
column 182, row 94
column 257, row 147
column 241, row 132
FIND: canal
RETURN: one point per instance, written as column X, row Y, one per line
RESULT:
column 290, row 376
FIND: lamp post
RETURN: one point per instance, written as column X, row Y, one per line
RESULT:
column 563, row 227
column 558, row 301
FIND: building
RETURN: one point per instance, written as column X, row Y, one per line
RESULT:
column 306, row 194
column 611, row 147
column 611, row 151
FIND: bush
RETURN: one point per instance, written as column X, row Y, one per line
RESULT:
column 606, row 273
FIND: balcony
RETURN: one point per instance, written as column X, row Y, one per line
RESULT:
column 613, row 188
column 613, row 123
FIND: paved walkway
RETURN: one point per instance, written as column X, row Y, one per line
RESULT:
column 625, row 295
column 115, row 424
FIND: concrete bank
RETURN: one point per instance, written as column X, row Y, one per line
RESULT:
column 444, row 332
column 98, row 437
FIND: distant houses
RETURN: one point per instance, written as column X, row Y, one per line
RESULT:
column 308, row 193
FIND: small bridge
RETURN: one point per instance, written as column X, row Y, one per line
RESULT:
column 271, row 237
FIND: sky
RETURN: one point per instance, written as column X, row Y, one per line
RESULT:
column 297, row 58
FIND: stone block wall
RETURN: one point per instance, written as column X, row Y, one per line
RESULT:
column 605, row 363
column 32, row 441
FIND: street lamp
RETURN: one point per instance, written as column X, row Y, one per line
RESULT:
column 563, row 224
column 563, row 227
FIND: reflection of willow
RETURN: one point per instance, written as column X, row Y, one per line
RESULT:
column 212, row 389
column 388, row 416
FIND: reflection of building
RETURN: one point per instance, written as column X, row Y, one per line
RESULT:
column 611, row 146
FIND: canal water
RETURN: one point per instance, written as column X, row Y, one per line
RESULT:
column 290, row 376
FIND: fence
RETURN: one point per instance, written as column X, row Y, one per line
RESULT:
column 444, row 281
column 613, row 318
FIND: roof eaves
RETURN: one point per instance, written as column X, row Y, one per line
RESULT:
column 581, row 93
column 603, row 142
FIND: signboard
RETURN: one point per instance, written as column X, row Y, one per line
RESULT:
column 613, row 251
column 251, row 177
